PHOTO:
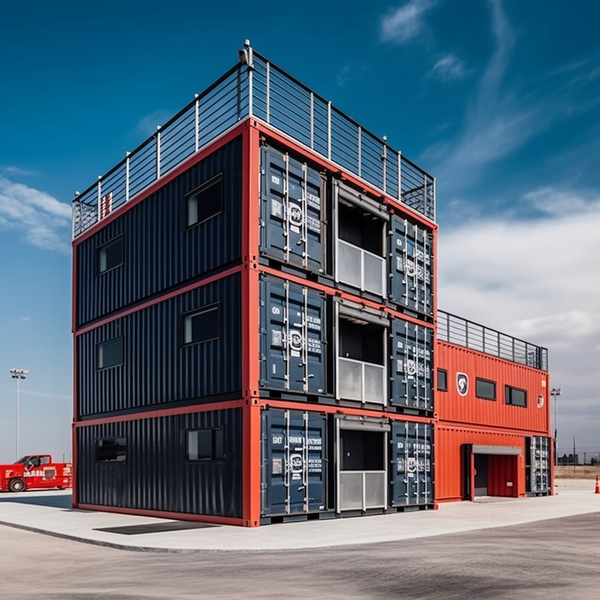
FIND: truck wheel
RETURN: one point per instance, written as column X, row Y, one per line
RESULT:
column 16, row 485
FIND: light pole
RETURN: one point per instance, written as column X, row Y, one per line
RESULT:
column 18, row 374
column 555, row 392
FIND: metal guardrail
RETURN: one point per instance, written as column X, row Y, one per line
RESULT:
column 467, row 334
column 257, row 88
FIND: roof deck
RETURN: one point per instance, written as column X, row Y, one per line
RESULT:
column 257, row 88
column 459, row 331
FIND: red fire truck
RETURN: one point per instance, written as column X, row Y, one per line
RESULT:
column 35, row 471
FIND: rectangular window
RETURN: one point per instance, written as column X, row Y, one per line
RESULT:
column 486, row 389
column 205, row 444
column 111, row 450
column 201, row 325
column 205, row 202
column 109, row 354
column 110, row 255
column 515, row 396
column 442, row 380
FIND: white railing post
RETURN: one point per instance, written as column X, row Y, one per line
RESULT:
column 359, row 151
column 197, row 124
column 99, row 197
column 400, row 176
column 157, row 151
column 384, row 163
column 312, row 121
column 329, row 130
column 127, row 176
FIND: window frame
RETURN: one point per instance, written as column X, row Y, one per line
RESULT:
column 437, row 380
column 120, row 453
column 102, row 247
column 479, row 380
column 217, row 444
column 99, row 345
column 193, row 195
column 189, row 315
column 508, row 396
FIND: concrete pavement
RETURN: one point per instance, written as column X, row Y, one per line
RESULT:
column 50, row 513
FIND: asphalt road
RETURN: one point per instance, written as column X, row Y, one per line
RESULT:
column 553, row 560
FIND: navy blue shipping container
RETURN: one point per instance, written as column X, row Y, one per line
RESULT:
column 189, row 464
column 411, row 266
column 411, row 458
column 186, row 229
column 293, row 462
column 291, row 211
column 292, row 337
column 411, row 365
column 183, row 350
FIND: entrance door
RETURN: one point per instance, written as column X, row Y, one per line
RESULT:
column 361, row 461
column 481, row 475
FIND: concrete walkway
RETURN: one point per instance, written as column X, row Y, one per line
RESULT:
column 50, row 513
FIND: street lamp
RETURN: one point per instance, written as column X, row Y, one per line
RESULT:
column 555, row 392
column 18, row 374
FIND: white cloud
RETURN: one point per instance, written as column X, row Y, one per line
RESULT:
column 497, row 122
column 449, row 68
column 41, row 218
column 406, row 22
column 538, row 281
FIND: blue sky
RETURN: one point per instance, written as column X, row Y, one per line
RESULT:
column 500, row 100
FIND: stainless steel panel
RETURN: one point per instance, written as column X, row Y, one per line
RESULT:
column 374, row 384
column 350, row 379
column 349, row 264
column 351, row 490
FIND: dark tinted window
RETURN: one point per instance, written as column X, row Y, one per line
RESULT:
column 442, row 380
column 109, row 354
column 486, row 389
column 111, row 450
column 110, row 255
column 201, row 325
column 515, row 396
column 205, row 444
column 205, row 202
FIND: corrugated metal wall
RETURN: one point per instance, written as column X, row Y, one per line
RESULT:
column 450, row 468
column 156, row 475
column 157, row 368
column 159, row 253
column 451, row 406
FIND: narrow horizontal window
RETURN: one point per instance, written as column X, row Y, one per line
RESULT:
column 110, row 255
column 486, row 389
column 515, row 396
column 442, row 380
column 201, row 325
column 205, row 202
column 111, row 450
column 109, row 354
column 205, row 444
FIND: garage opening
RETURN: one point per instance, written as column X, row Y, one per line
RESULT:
column 491, row 471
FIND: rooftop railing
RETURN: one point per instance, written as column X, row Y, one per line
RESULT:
column 259, row 89
column 467, row 334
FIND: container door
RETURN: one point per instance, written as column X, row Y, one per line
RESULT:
column 538, row 465
column 411, row 469
column 292, row 337
column 291, row 211
column 481, row 474
column 410, row 267
column 412, row 367
column 293, row 462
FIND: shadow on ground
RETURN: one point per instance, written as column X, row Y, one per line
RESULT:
column 41, row 498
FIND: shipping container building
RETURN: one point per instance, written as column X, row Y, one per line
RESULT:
column 254, row 318
column 493, row 411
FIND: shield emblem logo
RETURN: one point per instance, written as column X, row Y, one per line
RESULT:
column 462, row 383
